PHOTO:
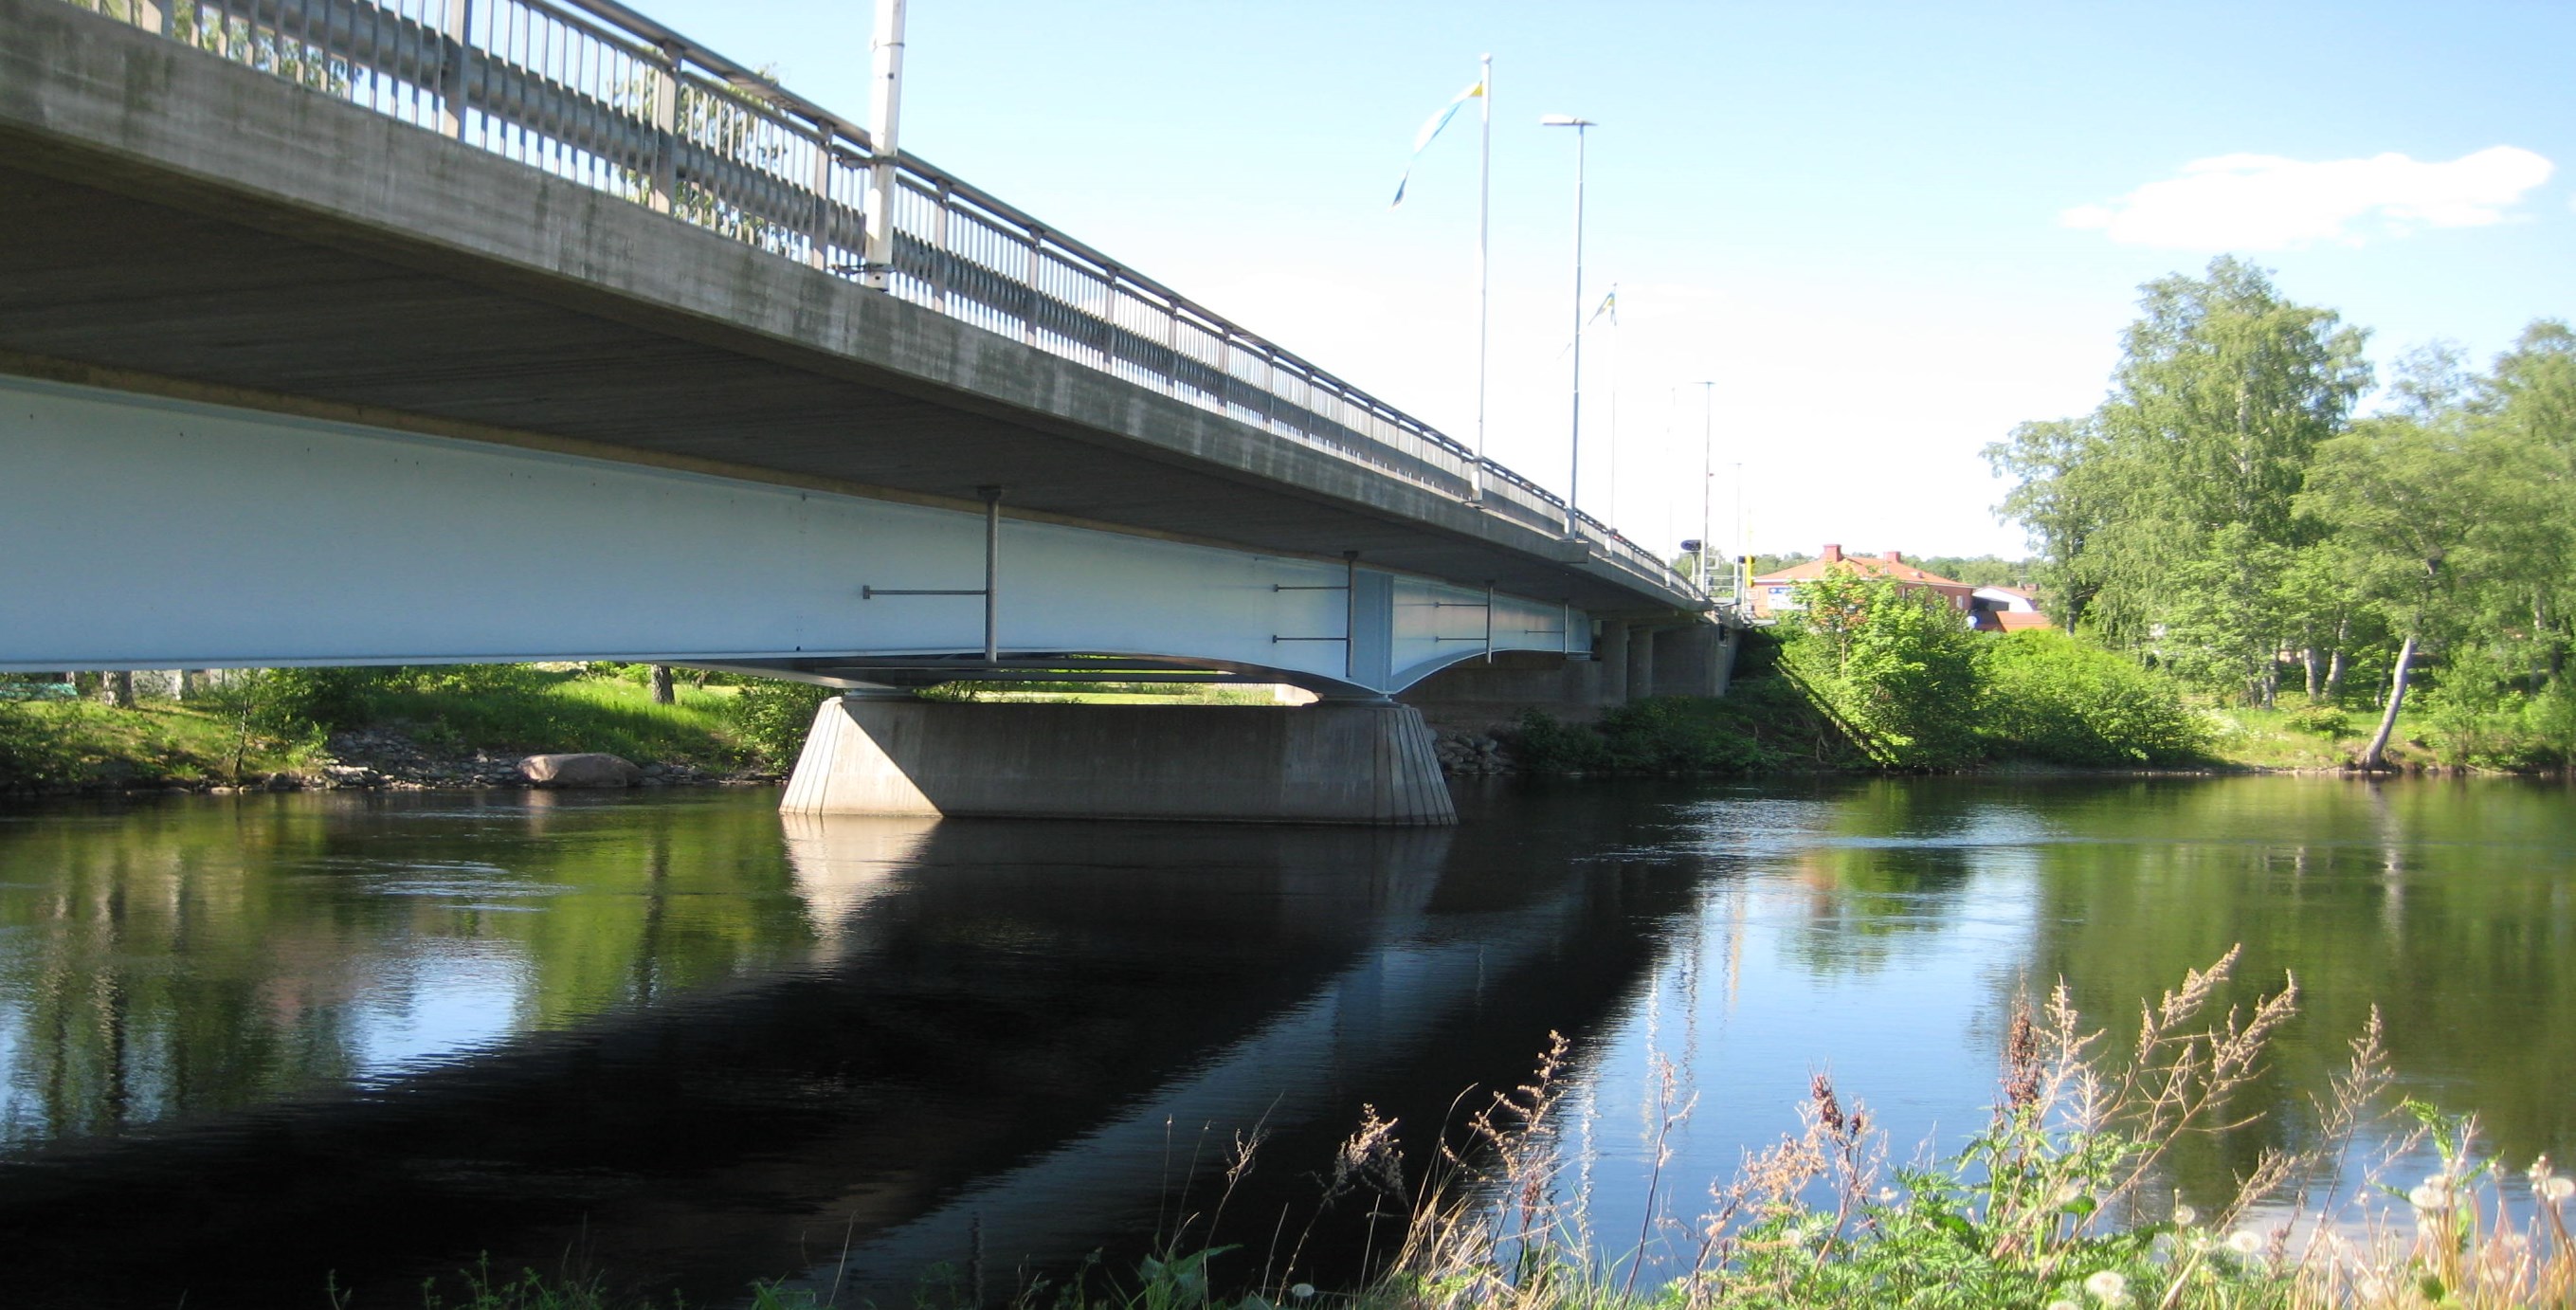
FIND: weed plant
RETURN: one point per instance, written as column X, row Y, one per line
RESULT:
column 2061, row 1202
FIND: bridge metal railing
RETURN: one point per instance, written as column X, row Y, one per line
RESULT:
column 591, row 91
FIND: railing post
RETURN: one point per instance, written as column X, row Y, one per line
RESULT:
column 453, row 69
column 666, row 119
column 1029, row 279
column 152, row 16
column 1109, row 322
column 819, row 239
column 939, row 245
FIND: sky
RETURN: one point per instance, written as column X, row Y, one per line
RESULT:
column 1885, row 233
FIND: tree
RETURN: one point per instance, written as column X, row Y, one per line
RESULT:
column 1895, row 666
column 2409, row 499
column 2056, row 502
column 2186, row 478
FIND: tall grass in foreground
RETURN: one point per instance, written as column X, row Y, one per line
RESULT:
column 2059, row 1204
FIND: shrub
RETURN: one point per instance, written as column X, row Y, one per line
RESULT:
column 2321, row 720
column 771, row 717
column 1549, row 745
column 1895, row 669
column 2051, row 697
column 1674, row 734
column 30, row 752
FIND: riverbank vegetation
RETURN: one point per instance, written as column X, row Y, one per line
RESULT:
column 2060, row 1200
column 244, row 725
column 1869, row 674
column 2231, row 514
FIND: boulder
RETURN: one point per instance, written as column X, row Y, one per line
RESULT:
column 583, row 769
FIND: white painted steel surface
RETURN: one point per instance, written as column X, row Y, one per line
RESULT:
column 149, row 533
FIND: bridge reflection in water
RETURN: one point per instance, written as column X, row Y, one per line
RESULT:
column 851, row 1050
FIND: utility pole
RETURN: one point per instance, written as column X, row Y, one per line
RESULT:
column 886, row 107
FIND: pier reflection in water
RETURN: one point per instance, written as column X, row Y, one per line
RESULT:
column 250, row 1044
column 247, row 1043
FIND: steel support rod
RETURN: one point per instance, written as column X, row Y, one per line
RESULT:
column 1350, row 614
column 1489, row 621
column 992, row 570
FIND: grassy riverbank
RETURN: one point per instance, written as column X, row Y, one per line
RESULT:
column 276, row 722
column 2061, row 1201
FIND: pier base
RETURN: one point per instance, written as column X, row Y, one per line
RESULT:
column 1324, row 763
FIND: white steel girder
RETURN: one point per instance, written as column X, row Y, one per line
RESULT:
column 143, row 532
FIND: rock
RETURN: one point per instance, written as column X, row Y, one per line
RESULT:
column 583, row 769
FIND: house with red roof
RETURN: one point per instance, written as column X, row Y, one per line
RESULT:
column 1776, row 593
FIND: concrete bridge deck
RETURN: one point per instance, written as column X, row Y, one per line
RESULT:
column 346, row 331
column 186, row 225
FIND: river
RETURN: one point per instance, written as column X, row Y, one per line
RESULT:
column 253, row 1047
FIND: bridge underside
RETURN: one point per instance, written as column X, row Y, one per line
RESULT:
column 161, row 534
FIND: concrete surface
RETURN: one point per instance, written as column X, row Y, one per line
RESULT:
column 1324, row 763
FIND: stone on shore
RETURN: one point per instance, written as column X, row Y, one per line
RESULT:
column 582, row 769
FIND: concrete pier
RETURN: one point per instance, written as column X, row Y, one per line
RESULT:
column 1325, row 763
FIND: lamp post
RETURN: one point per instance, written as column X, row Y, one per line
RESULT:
column 1574, row 478
column 1707, row 476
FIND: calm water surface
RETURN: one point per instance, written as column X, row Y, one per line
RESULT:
column 250, row 1044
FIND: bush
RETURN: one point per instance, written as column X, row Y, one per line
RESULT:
column 771, row 717
column 2048, row 696
column 1895, row 669
column 2327, row 721
column 1548, row 745
column 31, row 754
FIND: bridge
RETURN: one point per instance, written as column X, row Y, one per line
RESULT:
column 413, row 331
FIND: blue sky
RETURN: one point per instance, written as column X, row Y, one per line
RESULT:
column 1886, row 231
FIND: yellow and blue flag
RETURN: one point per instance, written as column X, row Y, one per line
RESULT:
column 1431, row 129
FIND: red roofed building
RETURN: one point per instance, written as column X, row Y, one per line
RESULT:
column 1776, row 593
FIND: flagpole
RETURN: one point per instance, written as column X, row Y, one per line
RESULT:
column 1484, row 275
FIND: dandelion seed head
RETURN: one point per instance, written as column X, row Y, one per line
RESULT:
column 2430, row 1197
column 1301, row 1291
column 2557, row 1189
column 2184, row 1214
column 2061, row 1304
column 2107, row 1286
column 2244, row 1241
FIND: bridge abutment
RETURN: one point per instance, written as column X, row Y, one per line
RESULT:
column 1369, row 763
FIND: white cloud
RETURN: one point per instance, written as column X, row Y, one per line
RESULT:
column 2266, row 202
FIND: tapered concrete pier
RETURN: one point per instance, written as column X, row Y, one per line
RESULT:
column 1364, row 763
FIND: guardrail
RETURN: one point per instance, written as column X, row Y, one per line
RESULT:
column 594, row 92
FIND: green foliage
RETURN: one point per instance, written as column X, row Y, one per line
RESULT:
column 1762, row 724
column 770, row 717
column 1895, row 667
column 2224, row 509
column 1547, row 744
column 32, row 751
column 2048, row 696
column 2320, row 720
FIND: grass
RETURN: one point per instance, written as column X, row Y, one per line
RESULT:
column 277, row 721
column 2275, row 738
column 562, row 711
column 2059, row 1203
column 80, row 743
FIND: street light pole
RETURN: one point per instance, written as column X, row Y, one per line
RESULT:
column 1574, row 477
column 885, row 99
column 1707, row 475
